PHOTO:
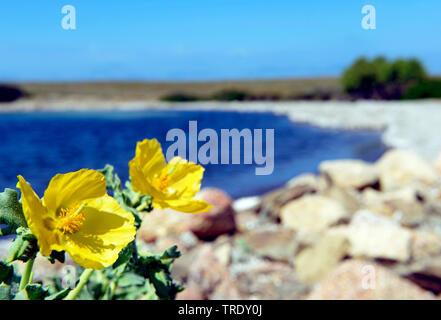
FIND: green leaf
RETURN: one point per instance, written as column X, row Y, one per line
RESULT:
column 5, row 292
column 24, row 246
column 6, row 272
column 171, row 253
column 7, row 230
column 150, row 292
column 124, row 256
column 36, row 292
column 59, row 295
column 32, row 292
column 11, row 211
column 130, row 279
column 21, row 295
column 85, row 295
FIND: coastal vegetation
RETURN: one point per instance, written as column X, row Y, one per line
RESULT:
column 386, row 80
column 10, row 93
column 90, row 216
column 377, row 79
column 271, row 89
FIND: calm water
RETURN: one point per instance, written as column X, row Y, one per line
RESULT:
column 39, row 145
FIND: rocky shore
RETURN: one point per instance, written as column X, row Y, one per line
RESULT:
column 410, row 125
column 354, row 231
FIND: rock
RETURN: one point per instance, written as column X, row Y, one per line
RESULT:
column 373, row 236
column 275, row 200
column 188, row 239
column 310, row 180
column 223, row 253
column 406, row 204
column 360, row 280
column 162, row 223
column 424, row 268
column 355, row 174
column 426, row 258
column 260, row 279
column 273, row 241
column 398, row 168
column 312, row 264
column 247, row 220
column 350, row 199
column 163, row 243
column 425, row 245
column 246, row 204
column 218, row 220
column 312, row 214
column 211, row 275
column 182, row 266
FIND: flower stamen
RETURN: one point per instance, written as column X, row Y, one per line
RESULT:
column 71, row 219
column 161, row 182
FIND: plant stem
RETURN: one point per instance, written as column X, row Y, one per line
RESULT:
column 111, row 290
column 27, row 274
column 83, row 280
column 135, row 251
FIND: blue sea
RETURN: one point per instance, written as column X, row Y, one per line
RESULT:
column 40, row 145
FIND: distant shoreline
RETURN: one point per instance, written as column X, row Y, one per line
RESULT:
column 412, row 125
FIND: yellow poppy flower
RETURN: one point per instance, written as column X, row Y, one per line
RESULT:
column 77, row 216
column 172, row 185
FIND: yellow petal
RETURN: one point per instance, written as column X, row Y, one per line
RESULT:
column 66, row 190
column 106, row 230
column 149, row 156
column 40, row 221
column 140, row 182
column 185, row 177
column 187, row 206
column 148, row 161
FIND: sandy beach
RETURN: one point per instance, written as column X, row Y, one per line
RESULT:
column 410, row 125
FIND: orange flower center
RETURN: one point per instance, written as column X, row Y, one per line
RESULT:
column 71, row 219
column 161, row 182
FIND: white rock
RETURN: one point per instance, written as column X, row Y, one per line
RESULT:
column 349, row 173
column 312, row 213
column 373, row 236
column 247, row 203
column 398, row 168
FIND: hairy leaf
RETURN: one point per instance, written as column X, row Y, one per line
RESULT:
column 11, row 211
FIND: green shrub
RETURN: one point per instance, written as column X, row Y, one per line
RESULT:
column 381, row 79
column 231, row 95
column 179, row 97
column 424, row 90
column 10, row 93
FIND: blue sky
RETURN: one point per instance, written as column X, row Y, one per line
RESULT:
column 209, row 39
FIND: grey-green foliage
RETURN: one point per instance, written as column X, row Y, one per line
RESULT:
column 11, row 212
column 382, row 79
column 24, row 246
column 9, row 286
column 134, row 275
column 146, row 276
